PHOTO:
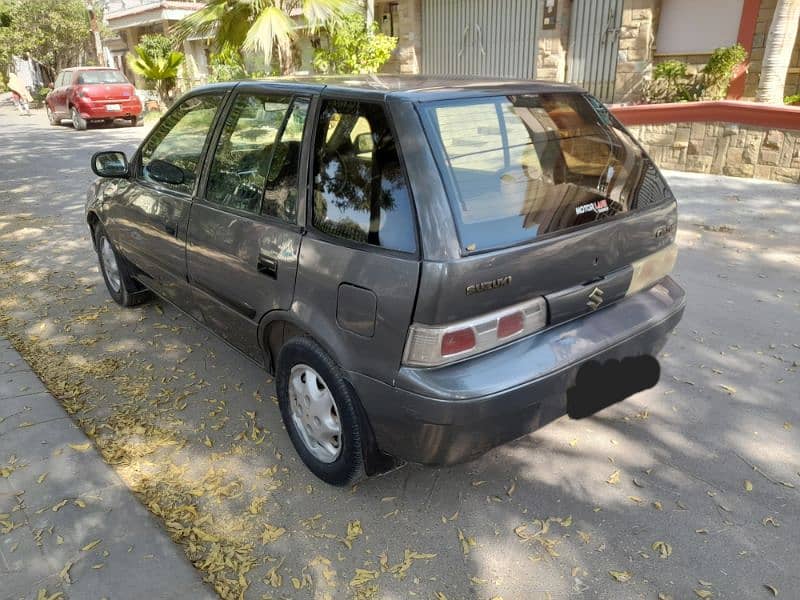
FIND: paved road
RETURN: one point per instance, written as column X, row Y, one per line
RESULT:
column 193, row 428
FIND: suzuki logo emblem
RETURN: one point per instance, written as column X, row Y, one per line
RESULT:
column 595, row 298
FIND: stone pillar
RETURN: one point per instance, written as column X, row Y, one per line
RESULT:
column 636, row 45
column 551, row 51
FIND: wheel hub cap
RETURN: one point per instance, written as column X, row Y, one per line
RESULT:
column 314, row 413
column 110, row 264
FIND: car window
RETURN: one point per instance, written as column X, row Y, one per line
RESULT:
column 529, row 165
column 177, row 143
column 101, row 76
column 257, row 156
column 360, row 189
column 280, row 196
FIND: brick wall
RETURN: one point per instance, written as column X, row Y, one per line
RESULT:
column 724, row 149
column 757, row 55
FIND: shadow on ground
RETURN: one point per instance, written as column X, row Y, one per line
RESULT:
column 194, row 429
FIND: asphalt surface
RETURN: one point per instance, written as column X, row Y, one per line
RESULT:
column 690, row 489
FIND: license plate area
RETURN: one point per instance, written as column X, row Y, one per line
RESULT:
column 113, row 107
column 598, row 385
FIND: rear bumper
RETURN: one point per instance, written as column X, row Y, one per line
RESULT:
column 457, row 412
column 128, row 108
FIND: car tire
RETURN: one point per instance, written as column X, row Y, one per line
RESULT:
column 137, row 122
column 124, row 290
column 52, row 117
column 78, row 122
column 333, row 450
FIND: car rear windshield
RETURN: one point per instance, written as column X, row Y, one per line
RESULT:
column 519, row 167
column 101, row 76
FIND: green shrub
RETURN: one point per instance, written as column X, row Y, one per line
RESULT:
column 718, row 72
column 793, row 100
column 672, row 81
column 351, row 49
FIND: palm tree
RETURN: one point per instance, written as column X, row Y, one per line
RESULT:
column 261, row 26
column 778, row 53
column 161, row 70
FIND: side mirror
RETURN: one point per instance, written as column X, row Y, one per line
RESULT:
column 165, row 172
column 110, row 164
column 364, row 143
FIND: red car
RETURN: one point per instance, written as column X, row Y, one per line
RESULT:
column 84, row 94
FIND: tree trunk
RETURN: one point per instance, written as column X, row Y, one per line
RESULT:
column 778, row 53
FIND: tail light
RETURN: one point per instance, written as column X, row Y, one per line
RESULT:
column 430, row 345
column 652, row 268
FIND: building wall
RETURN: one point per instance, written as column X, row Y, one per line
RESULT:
column 723, row 149
column 757, row 55
column 637, row 39
column 407, row 57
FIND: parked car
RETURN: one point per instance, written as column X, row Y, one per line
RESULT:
column 92, row 94
column 430, row 268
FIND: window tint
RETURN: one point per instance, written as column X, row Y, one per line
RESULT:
column 242, row 158
column 177, row 143
column 101, row 76
column 360, row 189
column 524, row 166
column 280, row 196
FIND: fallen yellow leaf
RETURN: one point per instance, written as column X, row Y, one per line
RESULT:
column 613, row 479
column 90, row 545
column 80, row 447
column 748, row 485
column 621, row 576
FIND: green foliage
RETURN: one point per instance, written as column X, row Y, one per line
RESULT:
column 793, row 100
column 54, row 32
column 718, row 72
column 673, row 82
column 156, row 45
column 261, row 26
column 352, row 49
column 160, row 72
column 227, row 65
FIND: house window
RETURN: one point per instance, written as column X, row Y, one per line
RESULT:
column 692, row 27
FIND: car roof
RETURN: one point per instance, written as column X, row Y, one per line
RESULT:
column 410, row 87
column 91, row 69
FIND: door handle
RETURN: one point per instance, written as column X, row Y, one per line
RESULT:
column 268, row 266
column 171, row 229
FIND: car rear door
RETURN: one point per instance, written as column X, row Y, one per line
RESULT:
column 550, row 197
column 244, row 238
column 149, row 218
column 359, row 263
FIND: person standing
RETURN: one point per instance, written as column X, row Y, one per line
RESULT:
column 19, row 91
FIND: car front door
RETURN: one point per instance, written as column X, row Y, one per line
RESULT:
column 244, row 238
column 150, row 215
column 59, row 97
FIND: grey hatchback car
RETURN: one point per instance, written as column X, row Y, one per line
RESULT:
column 430, row 267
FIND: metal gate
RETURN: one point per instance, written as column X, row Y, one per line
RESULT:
column 594, row 46
column 477, row 37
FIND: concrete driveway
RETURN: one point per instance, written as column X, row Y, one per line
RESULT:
column 691, row 489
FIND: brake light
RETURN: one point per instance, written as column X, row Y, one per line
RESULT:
column 456, row 342
column 431, row 345
column 510, row 324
